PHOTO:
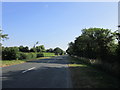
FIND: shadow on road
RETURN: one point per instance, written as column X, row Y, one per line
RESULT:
column 42, row 77
column 55, row 60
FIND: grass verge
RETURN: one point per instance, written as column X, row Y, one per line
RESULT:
column 86, row 76
column 4, row 63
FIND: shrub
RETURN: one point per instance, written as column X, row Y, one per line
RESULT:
column 10, row 53
column 22, row 55
column 40, row 55
column 34, row 55
column 27, row 55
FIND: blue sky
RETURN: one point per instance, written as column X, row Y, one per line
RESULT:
column 54, row 24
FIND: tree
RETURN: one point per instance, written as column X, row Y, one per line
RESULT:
column 3, row 36
column 24, row 49
column 40, row 48
column 10, row 53
column 100, row 37
column 71, row 49
column 58, row 51
column 49, row 50
column 33, row 49
column 93, row 43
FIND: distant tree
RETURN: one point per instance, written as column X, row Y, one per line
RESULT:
column 33, row 49
column 24, row 49
column 40, row 48
column 58, row 51
column 49, row 50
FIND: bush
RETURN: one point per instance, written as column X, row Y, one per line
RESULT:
column 34, row 55
column 40, row 55
column 10, row 53
column 27, row 55
column 22, row 55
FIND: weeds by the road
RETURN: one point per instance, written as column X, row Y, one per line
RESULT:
column 10, row 62
column 86, row 76
column 4, row 63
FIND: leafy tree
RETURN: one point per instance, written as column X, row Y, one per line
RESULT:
column 49, row 50
column 10, row 53
column 93, row 43
column 33, row 49
column 117, row 34
column 71, row 49
column 100, row 37
column 40, row 48
column 24, row 49
column 3, row 36
column 58, row 51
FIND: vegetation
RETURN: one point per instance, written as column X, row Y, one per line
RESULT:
column 58, row 51
column 86, row 76
column 8, row 62
column 45, row 54
column 21, row 52
column 3, row 36
column 4, row 63
column 98, row 45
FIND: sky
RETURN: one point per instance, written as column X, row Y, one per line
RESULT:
column 54, row 24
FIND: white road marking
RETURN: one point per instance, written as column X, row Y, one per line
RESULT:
column 28, row 69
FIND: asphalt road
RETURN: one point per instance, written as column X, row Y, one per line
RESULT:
column 45, row 73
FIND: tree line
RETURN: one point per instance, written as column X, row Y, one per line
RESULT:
column 98, row 44
column 23, row 52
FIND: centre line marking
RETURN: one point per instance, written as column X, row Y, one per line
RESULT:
column 28, row 69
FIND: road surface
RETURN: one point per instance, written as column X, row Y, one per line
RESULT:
column 45, row 73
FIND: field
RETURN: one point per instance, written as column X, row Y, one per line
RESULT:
column 48, row 54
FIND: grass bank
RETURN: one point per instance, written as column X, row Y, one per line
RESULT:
column 85, row 76
column 4, row 63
